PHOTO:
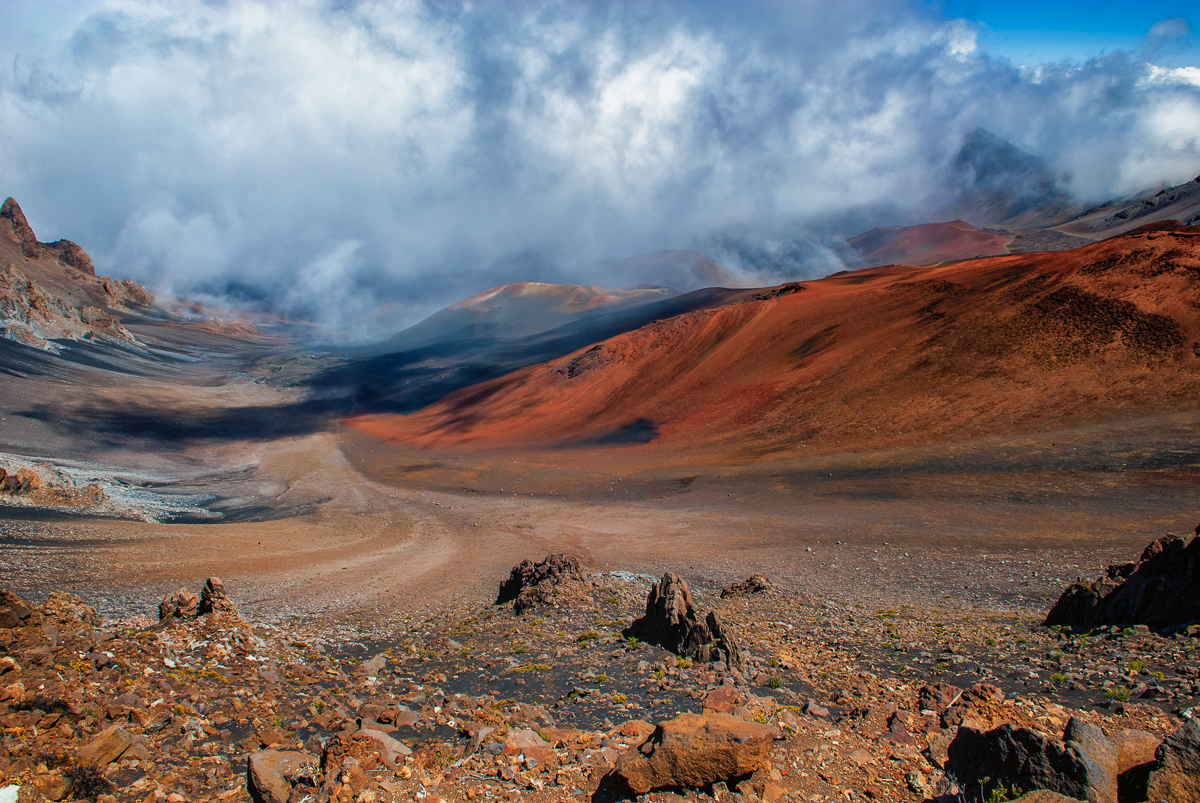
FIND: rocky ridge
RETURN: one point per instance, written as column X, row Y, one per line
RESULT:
column 50, row 291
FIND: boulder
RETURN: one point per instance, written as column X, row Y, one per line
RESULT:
column 271, row 774
column 754, row 584
column 213, row 598
column 186, row 605
column 1175, row 776
column 1098, row 756
column 1008, row 757
column 1045, row 796
column 694, row 751
column 14, row 611
column 937, row 696
column 1158, row 590
column 107, row 747
column 671, row 621
column 182, row 603
column 554, row 580
column 391, row 749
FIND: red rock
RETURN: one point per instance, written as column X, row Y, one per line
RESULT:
column 269, row 771
column 107, row 747
column 694, row 751
column 724, row 699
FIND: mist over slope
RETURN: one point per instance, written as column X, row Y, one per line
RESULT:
column 321, row 158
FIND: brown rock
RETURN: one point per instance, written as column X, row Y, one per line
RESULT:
column 14, row 611
column 72, row 255
column 1045, row 796
column 214, row 599
column 754, row 584
column 52, row 786
column 693, row 751
column 1134, row 748
column 390, row 749
column 937, row 696
column 633, row 732
column 269, row 773
column 19, row 227
column 554, row 580
column 1176, row 774
column 1098, row 756
column 724, row 699
column 272, row 737
column 106, row 747
column 67, row 608
column 182, row 603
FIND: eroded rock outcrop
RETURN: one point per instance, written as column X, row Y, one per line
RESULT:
column 554, row 580
column 184, row 604
column 50, row 292
column 694, row 751
column 671, row 620
column 754, row 584
column 1159, row 590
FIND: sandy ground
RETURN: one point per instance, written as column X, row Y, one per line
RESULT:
column 384, row 534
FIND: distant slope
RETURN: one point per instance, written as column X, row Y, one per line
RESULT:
column 927, row 243
column 496, row 332
column 520, row 310
column 871, row 358
column 930, row 243
column 1181, row 202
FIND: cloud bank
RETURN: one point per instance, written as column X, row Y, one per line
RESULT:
column 332, row 156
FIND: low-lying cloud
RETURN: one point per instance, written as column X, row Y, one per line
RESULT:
column 334, row 156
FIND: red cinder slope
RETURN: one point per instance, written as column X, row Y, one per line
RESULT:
column 927, row 244
column 873, row 358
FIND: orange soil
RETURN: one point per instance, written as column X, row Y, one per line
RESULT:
column 869, row 359
column 928, row 243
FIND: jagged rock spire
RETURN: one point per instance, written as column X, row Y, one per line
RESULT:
column 22, row 233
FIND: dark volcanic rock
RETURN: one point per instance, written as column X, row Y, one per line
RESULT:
column 1161, row 590
column 553, row 580
column 754, row 584
column 1008, row 756
column 694, row 751
column 672, row 622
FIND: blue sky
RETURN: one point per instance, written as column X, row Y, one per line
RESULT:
column 1028, row 32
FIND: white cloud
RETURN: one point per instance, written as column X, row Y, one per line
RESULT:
column 456, row 146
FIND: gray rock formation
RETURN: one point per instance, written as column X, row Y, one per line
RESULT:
column 671, row 621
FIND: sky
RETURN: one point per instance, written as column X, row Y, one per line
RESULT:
column 365, row 163
column 1028, row 32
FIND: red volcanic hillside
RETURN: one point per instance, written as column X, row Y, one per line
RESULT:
column 870, row 358
column 927, row 243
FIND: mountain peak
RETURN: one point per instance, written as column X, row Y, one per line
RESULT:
column 22, row 232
